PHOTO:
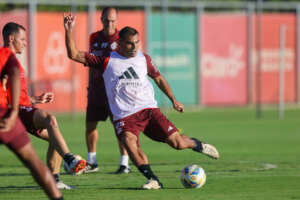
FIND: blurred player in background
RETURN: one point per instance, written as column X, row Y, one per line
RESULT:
column 38, row 122
column 131, row 99
column 12, row 131
column 101, row 43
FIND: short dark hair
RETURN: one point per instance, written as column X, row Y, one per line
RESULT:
column 127, row 31
column 106, row 9
column 9, row 29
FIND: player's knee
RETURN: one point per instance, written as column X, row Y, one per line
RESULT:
column 128, row 138
column 90, row 127
column 51, row 120
column 177, row 144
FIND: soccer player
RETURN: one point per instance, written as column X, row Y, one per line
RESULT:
column 38, row 122
column 12, row 131
column 101, row 43
column 131, row 99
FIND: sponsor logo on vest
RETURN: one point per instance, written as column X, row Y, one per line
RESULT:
column 104, row 45
column 129, row 74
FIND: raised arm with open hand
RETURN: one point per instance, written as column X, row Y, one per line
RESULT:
column 69, row 21
column 73, row 52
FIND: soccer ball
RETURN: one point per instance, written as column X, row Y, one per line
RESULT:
column 193, row 176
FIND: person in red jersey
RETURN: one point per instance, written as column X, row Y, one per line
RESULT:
column 39, row 122
column 101, row 43
column 131, row 99
column 12, row 131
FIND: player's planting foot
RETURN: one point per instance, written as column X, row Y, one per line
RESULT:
column 62, row 186
column 152, row 185
column 206, row 149
column 123, row 170
column 89, row 168
column 76, row 167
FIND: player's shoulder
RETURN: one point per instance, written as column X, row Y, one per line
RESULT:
column 147, row 56
column 95, row 35
column 5, row 52
column 5, row 55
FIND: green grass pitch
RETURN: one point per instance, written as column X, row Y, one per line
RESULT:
column 260, row 159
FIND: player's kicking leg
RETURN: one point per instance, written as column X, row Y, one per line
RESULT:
column 180, row 142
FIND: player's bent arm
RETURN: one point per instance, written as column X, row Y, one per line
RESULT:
column 73, row 52
column 7, row 123
column 14, row 83
column 165, row 87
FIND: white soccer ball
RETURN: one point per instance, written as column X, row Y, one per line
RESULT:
column 193, row 176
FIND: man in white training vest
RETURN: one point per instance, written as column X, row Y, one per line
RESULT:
column 131, row 99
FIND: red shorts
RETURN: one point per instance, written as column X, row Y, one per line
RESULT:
column 97, row 113
column 97, row 105
column 26, row 116
column 152, row 122
column 16, row 138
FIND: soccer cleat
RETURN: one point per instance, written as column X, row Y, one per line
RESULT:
column 62, row 186
column 123, row 170
column 89, row 168
column 152, row 185
column 206, row 149
column 76, row 167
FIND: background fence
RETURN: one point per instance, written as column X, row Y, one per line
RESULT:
column 212, row 53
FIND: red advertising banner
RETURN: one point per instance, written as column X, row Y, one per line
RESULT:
column 55, row 71
column 270, row 57
column 224, row 59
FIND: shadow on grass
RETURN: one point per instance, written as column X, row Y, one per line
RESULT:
column 141, row 189
column 15, row 174
column 11, row 187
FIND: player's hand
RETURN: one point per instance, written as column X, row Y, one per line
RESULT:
column 178, row 106
column 44, row 98
column 6, row 124
column 69, row 21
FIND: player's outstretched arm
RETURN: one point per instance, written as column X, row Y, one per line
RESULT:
column 165, row 87
column 73, row 52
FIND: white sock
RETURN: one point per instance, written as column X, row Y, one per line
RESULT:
column 124, row 160
column 92, row 158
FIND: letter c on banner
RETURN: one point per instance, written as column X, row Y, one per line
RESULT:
column 55, row 60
